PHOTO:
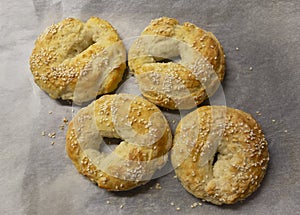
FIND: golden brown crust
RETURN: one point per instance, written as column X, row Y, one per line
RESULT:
column 65, row 52
column 220, row 154
column 142, row 127
column 202, row 62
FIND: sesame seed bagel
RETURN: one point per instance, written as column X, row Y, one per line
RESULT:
column 220, row 154
column 177, row 66
column 145, row 141
column 73, row 60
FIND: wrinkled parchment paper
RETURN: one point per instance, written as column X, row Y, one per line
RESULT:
column 261, row 43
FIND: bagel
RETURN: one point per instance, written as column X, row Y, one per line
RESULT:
column 195, row 69
column 143, row 129
column 77, row 61
column 220, row 154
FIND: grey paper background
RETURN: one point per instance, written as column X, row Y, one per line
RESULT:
column 37, row 177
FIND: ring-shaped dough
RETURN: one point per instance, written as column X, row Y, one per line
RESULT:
column 220, row 154
column 143, row 129
column 195, row 69
column 77, row 61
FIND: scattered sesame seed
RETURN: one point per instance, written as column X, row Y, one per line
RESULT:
column 250, row 68
column 61, row 127
column 157, row 186
column 52, row 135
column 195, row 204
column 285, row 131
column 50, row 112
column 43, row 133
column 237, row 48
column 273, row 120
column 65, row 120
column 52, row 143
column 121, row 206
column 178, row 208
column 172, row 203
column 175, row 176
column 107, row 202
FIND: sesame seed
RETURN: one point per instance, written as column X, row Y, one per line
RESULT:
column 43, row 133
column 50, row 112
column 285, row 131
column 108, row 202
column 52, row 143
column 273, row 120
column 157, row 186
column 172, row 203
column 250, row 68
column 237, row 48
column 52, row 135
column 178, row 208
column 121, row 206
column 65, row 120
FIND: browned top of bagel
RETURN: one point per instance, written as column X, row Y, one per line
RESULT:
column 197, row 74
column 66, row 54
column 220, row 154
column 145, row 134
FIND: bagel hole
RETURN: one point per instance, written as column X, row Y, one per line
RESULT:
column 79, row 47
column 216, row 156
column 174, row 59
column 110, row 144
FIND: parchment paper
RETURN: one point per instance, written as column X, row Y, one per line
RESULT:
column 261, row 43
